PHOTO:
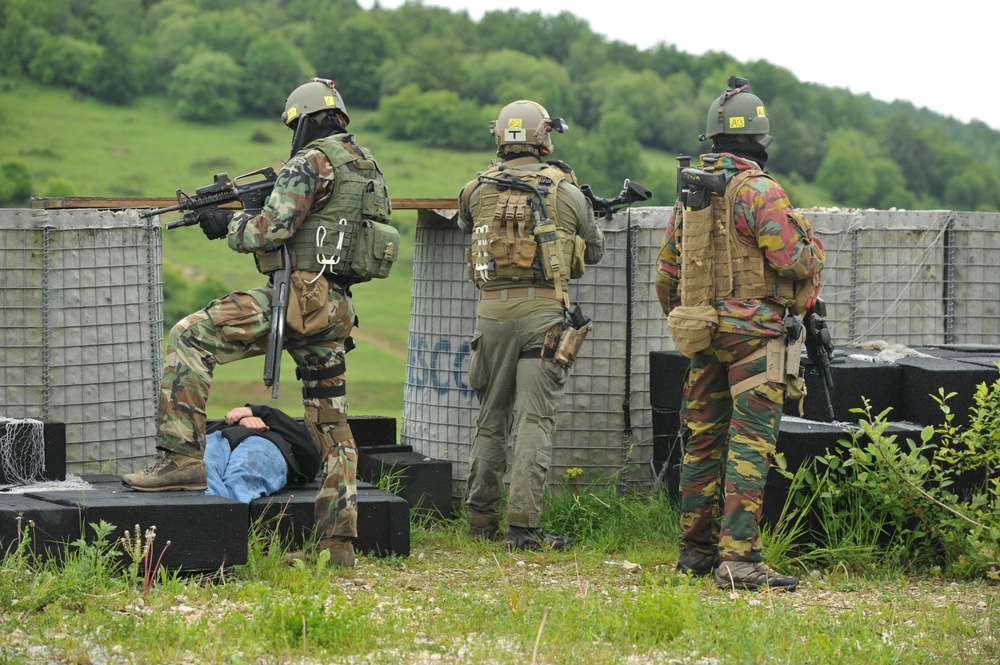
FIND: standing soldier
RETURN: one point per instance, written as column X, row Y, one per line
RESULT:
column 532, row 231
column 732, row 266
column 327, row 194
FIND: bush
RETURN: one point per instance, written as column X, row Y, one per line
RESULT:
column 15, row 181
column 927, row 504
column 207, row 87
column 439, row 119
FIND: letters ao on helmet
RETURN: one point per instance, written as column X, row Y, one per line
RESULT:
column 737, row 111
column 525, row 123
column 312, row 97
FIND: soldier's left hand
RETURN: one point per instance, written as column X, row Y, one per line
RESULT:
column 214, row 222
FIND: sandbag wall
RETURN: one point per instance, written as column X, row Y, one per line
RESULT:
column 896, row 277
column 81, row 321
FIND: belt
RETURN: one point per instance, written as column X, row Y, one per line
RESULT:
column 519, row 292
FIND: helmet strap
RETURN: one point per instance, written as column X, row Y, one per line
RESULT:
column 310, row 130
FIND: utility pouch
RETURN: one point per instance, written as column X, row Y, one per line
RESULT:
column 307, row 303
column 692, row 328
column 570, row 343
column 376, row 250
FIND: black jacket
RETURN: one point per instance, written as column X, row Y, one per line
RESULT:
column 288, row 434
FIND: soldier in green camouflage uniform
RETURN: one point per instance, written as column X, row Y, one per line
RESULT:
column 237, row 326
column 732, row 401
column 520, row 318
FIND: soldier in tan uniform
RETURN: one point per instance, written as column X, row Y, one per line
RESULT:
column 532, row 231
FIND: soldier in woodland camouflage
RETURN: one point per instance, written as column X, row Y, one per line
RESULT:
column 236, row 326
column 759, row 255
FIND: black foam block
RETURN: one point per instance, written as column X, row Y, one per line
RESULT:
column 854, row 380
column 205, row 532
column 666, row 438
column 424, row 482
column 47, row 526
column 923, row 377
column 666, row 379
column 383, row 519
column 373, row 430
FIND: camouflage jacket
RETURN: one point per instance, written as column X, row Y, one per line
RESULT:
column 763, row 216
column 304, row 185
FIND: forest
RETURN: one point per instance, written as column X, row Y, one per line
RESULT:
column 436, row 78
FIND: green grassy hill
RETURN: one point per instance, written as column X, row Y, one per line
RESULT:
column 144, row 151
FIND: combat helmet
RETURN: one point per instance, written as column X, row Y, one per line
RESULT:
column 737, row 111
column 312, row 97
column 525, row 123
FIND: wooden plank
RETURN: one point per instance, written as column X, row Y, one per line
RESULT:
column 116, row 203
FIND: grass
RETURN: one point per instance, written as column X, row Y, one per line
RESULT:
column 608, row 600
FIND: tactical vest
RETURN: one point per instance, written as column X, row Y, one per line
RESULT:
column 351, row 236
column 508, row 242
column 718, row 265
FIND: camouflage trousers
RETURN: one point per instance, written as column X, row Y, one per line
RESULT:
column 519, row 396
column 730, row 443
column 236, row 327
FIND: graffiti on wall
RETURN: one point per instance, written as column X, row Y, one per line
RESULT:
column 440, row 364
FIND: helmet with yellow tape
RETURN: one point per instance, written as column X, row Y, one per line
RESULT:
column 737, row 111
column 312, row 97
column 525, row 126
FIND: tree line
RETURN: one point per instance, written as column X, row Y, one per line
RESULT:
column 438, row 77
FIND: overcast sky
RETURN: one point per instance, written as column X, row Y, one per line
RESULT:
column 939, row 56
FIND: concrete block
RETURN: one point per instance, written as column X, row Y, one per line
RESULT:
column 54, row 442
column 424, row 482
column 383, row 519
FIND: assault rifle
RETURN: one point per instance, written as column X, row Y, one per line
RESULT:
column 631, row 193
column 282, row 278
column 819, row 348
column 224, row 189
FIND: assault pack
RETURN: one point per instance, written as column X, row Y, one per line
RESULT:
column 351, row 237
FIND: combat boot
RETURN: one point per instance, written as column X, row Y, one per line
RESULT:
column 173, row 472
column 752, row 575
column 341, row 549
column 481, row 533
column 697, row 564
column 524, row 538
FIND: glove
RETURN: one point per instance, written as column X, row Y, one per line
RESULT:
column 214, row 222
